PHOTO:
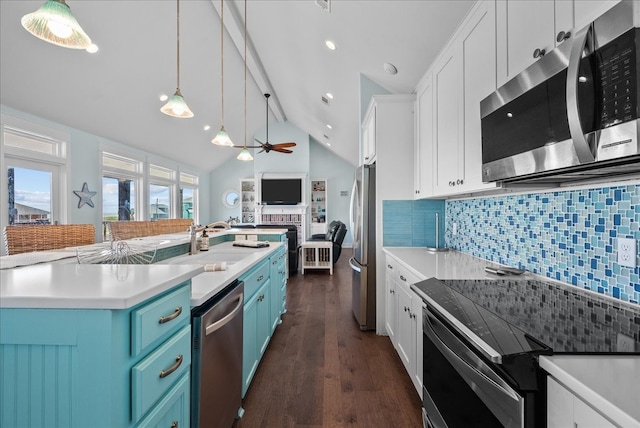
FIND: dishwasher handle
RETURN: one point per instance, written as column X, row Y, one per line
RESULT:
column 227, row 318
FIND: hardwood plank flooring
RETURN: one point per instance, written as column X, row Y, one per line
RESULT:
column 320, row 370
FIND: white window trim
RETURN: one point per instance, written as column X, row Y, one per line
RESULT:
column 58, row 164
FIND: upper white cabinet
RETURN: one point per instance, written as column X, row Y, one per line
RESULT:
column 369, row 136
column 423, row 148
column 448, row 105
column 528, row 29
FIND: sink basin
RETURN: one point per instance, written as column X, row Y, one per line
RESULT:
column 209, row 257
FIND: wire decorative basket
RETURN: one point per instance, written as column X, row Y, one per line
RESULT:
column 117, row 252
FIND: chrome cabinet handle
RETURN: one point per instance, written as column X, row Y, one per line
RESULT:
column 174, row 424
column 460, row 181
column 403, row 278
column 260, row 278
column 392, row 291
column 173, row 316
column 539, row 53
column 390, row 267
column 562, row 36
column 173, row 368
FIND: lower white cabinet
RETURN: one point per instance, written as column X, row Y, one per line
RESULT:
column 566, row 410
column 404, row 318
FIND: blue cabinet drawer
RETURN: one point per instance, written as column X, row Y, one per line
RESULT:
column 255, row 279
column 158, row 372
column 159, row 319
column 173, row 410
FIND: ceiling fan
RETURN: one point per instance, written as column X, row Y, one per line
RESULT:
column 267, row 146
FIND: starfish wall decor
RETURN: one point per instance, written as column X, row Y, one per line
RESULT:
column 85, row 196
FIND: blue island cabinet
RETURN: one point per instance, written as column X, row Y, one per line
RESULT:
column 97, row 367
column 263, row 286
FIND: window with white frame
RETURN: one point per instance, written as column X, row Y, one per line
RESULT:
column 121, row 183
column 34, row 164
column 188, row 196
column 162, row 185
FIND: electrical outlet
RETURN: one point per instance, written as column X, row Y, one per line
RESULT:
column 455, row 228
column 627, row 252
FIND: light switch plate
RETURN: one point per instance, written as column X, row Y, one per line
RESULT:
column 627, row 252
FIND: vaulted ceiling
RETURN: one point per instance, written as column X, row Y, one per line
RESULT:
column 114, row 93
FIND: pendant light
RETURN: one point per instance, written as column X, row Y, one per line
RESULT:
column 176, row 106
column 245, row 155
column 222, row 137
column 54, row 23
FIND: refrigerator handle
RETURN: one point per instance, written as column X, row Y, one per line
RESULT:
column 354, row 264
column 352, row 219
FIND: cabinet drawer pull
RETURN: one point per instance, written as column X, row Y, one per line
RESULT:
column 173, row 316
column 173, row 368
column 403, row 278
column 260, row 278
column 174, row 424
column 392, row 291
column 390, row 267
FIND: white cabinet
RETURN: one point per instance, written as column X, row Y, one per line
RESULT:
column 423, row 148
column 564, row 409
column 318, row 207
column 404, row 318
column 525, row 26
column 369, row 136
column 463, row 75
column 248, row 200
column 586, row 11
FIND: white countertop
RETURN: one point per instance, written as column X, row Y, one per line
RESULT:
column 54, row 279
column 610, row 384
column 86, row 286
column 443, row 265
column 207, row 284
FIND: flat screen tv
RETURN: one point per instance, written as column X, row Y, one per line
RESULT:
column 281, row 191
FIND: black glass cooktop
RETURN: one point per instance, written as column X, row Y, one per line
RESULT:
column 522, row 315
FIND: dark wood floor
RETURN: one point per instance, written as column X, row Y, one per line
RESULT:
column 320, row 370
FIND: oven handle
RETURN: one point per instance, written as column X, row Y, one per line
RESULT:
column 573, row 111
column 458, row 360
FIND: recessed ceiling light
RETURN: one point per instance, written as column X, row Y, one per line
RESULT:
column 390, row 68
column 207, row 127
column 329, row 144
column 329, row 126
column 164, row 97
column 329, row 95
column 330, row 45
column 92, row 48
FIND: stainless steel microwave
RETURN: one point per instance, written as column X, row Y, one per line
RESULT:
column 574, row 113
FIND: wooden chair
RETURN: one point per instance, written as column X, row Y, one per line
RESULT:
column 27, row 238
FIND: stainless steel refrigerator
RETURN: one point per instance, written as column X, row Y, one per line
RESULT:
column 363, row 262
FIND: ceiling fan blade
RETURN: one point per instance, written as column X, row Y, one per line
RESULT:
column 276, row 149
column 290, row 144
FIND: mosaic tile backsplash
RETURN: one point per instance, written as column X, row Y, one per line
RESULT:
column 570, row 236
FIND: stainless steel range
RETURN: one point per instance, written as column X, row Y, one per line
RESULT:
column 482, row 340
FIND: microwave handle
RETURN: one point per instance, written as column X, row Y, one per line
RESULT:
column 580, row 143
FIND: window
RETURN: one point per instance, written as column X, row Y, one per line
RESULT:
column 121, row 178
column 188, row 196
column 162, row 182
column 34, row 164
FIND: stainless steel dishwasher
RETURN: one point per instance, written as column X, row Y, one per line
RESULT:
column 216, row 370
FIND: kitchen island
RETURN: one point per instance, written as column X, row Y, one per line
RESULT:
column 108, row 345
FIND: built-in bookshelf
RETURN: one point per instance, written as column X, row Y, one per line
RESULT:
column 248, row 200
column 318, row 205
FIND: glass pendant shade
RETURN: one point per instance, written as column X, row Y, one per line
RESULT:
column 177, row 107
column 222, row 138
column 245, row 155
column 54, row 23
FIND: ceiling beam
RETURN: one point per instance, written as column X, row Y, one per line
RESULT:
column 235, row 28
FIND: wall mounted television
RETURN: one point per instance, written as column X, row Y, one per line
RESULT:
column 281, row 191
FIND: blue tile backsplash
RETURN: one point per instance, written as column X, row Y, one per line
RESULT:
column 570, row 236
column 412, row 223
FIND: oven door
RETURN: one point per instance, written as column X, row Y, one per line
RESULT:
column 460, row 389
